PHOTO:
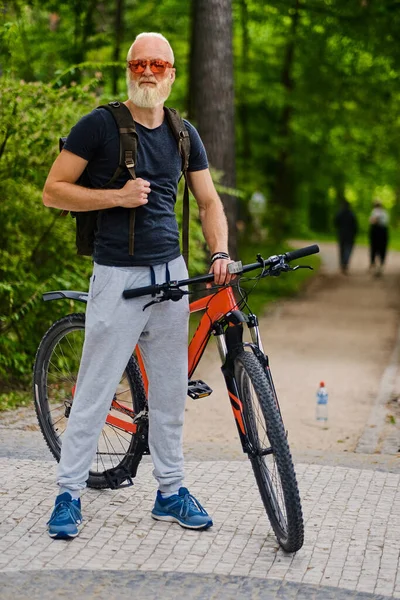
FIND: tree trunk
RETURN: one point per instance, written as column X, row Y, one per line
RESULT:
column 83, row 12
column 211, row 94
column 283, row 192
column 244, row 92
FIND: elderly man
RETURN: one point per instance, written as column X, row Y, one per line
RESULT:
column 113, row 325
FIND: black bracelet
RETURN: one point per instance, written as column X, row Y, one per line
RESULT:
column 219, row 255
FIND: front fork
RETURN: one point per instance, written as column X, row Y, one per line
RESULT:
column 229, row 343
column 263, row 358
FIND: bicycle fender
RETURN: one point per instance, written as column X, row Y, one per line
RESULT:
column 234, row 341
column 68, row 294
column 234, row 333
column 236, row 317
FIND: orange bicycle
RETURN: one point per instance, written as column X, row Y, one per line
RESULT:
column 247, row 375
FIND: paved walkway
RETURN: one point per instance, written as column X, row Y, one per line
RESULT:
column 351, row 548
column 351, row 504
column 115, row 585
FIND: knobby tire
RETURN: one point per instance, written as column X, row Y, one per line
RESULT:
column 274, row 472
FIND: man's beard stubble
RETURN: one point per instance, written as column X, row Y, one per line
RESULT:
column 148, row 96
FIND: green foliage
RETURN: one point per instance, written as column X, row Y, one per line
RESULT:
column 14, row 399
column 38, row 244
column 337, row 90
column 317, row 112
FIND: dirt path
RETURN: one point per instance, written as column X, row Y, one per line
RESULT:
column 342, row 330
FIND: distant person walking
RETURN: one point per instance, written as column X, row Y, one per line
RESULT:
column 346, row 228
column 378, row 237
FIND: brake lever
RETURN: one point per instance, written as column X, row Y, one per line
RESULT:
column 162, row 299
column 301, row 267
column 276, row 270
column 173, row 294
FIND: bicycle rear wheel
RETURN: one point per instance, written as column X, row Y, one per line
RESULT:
column 269, row 452
column 54, row 379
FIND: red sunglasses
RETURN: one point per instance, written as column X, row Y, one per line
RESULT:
column 156, row 65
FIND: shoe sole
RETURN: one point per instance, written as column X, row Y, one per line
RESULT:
column 62, row 534
column 171, row 519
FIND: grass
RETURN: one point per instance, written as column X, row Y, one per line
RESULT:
column 15, row 399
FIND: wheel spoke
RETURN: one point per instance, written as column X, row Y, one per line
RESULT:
column 108, row 453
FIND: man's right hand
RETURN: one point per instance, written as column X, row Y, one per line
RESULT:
column 134, row 193
column 61, row 190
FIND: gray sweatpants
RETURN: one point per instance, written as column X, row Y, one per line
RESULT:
column 113, row 328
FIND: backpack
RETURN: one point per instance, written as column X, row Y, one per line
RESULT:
column 86, row 222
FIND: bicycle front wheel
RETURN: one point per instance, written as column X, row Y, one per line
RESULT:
column 54, row 379
column 269, row 452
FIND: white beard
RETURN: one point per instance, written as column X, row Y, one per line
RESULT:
column 148, row 96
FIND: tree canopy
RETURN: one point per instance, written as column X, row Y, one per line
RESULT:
column 310, row 89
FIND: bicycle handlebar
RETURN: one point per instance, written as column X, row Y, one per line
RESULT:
column 151, row 290
column 148, row 290
column 301, row 252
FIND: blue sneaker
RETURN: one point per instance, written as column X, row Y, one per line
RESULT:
column 65, row 518
column 182, row 508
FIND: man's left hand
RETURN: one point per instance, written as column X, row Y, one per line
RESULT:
column 221, row 273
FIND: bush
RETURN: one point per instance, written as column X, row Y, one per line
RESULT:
column 37, row 244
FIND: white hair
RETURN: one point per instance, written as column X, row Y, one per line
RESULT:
column 151, row 34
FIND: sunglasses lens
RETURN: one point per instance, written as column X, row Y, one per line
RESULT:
column 158, row 66
column 137, row 66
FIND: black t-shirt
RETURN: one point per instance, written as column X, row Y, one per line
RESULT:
column 95, row 138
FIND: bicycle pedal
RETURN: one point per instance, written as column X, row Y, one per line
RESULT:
column 118, row 477
column 198, row 389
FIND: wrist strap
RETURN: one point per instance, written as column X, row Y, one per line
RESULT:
column 219, row 255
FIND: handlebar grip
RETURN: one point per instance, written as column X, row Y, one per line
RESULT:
column 294, row 254
column 142, row 291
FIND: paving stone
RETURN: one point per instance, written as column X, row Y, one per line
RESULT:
column 351, row 538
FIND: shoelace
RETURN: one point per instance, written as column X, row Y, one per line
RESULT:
column 66, row 509
column 190, row 501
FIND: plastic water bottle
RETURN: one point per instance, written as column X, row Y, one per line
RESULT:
column 322, row 403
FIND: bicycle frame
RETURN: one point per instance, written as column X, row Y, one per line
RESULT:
column 220, row 310
column 246, row 372
column 216, row 307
